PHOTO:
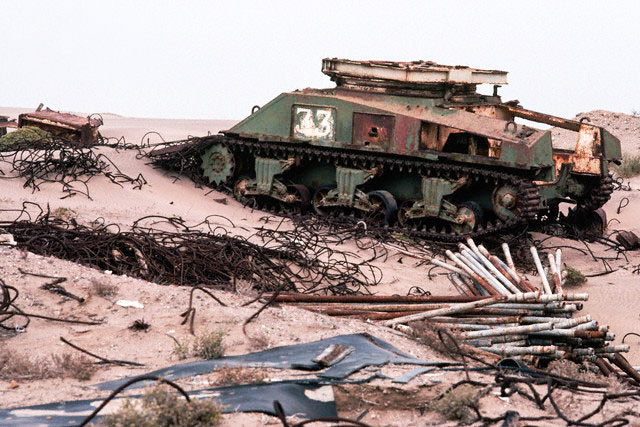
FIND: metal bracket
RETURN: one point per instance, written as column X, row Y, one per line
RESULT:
column 267, row 169
column 433, row 191
column 348, row 179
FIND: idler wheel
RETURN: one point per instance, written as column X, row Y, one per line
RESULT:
column 319, row 198
column 218, row 164
column 472, row 215
column 505, row 201
column 384, row 208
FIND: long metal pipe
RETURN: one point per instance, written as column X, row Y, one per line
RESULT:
column 570, row 323
column 513, row 271
column 621, row 348
column 513, row 330
column 488, row 342
column 474, row 286
column 556, row 274
column 517, row 281
column 415, row 299
column 479, row 269
column 568, row 333
column 516, row 351
column 360, row 299
column 621, row 362
column 462, row 308
column 482, row 282
column 461, row 285
column 447, row 266
column 375, row 307
column 492, row 268
column 542, row 319
column 541, row 273
column 479, row 320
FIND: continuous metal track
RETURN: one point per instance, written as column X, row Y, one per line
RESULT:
column 599, row 195
column 527, row 208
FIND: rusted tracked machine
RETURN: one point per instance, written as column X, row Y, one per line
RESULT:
column 408, row 144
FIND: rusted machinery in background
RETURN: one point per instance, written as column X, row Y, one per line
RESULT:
column 83, row 130
column 6, row 123
column 411, row 144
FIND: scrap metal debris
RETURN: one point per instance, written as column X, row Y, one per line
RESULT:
column 9, row 310
column 366, row 350
column 629, row 240
column 83, row 130
column 58, row 160
column 499, row 311
column 295, row 398
column 212, row 258
column 6, row 123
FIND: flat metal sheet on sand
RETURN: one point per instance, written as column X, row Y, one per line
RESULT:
column 306, row 400
column 368, row 351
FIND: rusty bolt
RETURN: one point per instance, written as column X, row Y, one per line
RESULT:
column 508, row 200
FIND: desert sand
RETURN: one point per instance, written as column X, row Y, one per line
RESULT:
column 614, row 297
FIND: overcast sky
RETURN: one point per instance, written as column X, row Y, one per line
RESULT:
column 215, row 60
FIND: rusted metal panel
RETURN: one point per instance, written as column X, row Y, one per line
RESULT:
column 373, row 130
column 541, row 117
column 430, row 136
column 77, row 128
column 452, row 118
column 5, row 123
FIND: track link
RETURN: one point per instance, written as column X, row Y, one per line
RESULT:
column 527, row 208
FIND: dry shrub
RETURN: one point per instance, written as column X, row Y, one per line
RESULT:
column 16, row 366
column 104, row 290
column 238, row 375
column 455, row 403
column 207, row 345
column 574, row 278
column 629, row 166
column 181, row 349
column 260, row 341
column 161, row 407
column 65, row 214
column 19, row 138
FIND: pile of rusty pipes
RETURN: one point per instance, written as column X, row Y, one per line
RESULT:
column 520, row 318
column 498, row 311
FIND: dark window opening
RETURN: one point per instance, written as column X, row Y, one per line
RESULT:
column 466, row 143
column 373, row 133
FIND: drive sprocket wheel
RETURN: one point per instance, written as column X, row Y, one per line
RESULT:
column 218, row 164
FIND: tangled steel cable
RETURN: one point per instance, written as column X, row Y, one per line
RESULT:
column 59, row 160
column 188, row 256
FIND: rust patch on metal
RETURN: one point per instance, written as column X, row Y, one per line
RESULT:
column 71, row 126
column 373, row 129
